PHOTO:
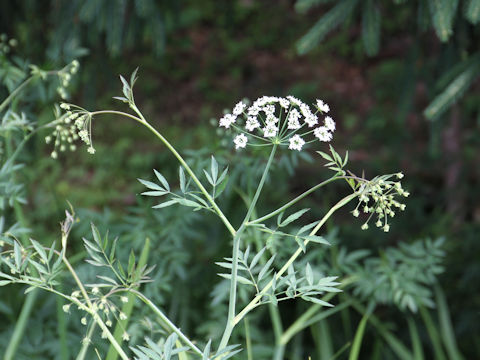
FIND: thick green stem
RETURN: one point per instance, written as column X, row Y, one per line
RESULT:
column 236, row 247
column 257, row 298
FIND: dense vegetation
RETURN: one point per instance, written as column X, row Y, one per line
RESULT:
column 401, row 78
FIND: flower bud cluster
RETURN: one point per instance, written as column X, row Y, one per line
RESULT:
column 377, row 198
column 6, row 44
column 101, row 305
column 75, row 124
column 65, row 76
column 284, row 121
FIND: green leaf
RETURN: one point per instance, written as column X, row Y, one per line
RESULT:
column 301, row 243
column 209, row 178
column 303, row 5
column 325, row 156
column 40, row 250
column 327, row 23
column 155, row 193
column 151, row 185
column 17, row 250
column 162, row 180
column 316, row 301
column 240, row 279
column 181, row 174
column 131, row 262
column 442, row 12
column 306, row 228
column 165, row 204
column 371, row 27
column 472, row 11
column 265, row 268
column 223, row 184
column 293, row 217
column 257, row 258
column 452, row 92
column 317, row 239
column 190, row 203
column 357, row 341
column 309, row 274
column 214, row 170
column 4, row 282
column 206, row 351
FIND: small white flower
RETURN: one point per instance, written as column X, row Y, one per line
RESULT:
column 125, row 336
column 296, row 143
column 364, row 226
column 270, row 130
column 95, row 290
column 329, row 123
column 355, row 213
column 124, row 299
column 238, row 109
column 253, row 110
column 294, row 100
column 323, row 134
column 386, row 228
column 84, row 321
column 284, row 103
column 240, row 141
column 311, row 120
column 54, row 154
column 123, row 316
column 323, row 107
column 252, row 123
column 271, row 119
column 269, row 109
column 293, row 122
column 91, row 150
column 108, row 323
column 66, row 308
column 227, row 120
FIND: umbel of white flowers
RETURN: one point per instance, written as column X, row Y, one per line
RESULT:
column 283, row 121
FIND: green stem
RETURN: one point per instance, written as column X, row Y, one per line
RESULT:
column 166, row 320
column 14, row 93
column 85, row 344
column 180, row 159
column 277, row 331
column 248, row 339
column 294, row 201
column 90, row 309
column 257, row 298
column 27, row 308
column 127, row 308
column 236, row 247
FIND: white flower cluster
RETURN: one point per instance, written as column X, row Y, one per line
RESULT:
column 284, row 121
column 73, row 125
column 378, row 198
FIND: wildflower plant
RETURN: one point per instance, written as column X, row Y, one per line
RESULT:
column 279, row 123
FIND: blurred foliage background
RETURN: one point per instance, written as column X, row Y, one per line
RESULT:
column 401, row 77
